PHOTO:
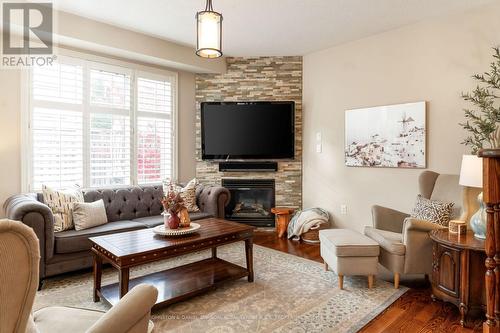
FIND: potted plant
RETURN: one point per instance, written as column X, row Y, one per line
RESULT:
column 172, row 203
column 483, row 126
column 483, row 123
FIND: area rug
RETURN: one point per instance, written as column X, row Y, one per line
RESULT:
column 290, row 294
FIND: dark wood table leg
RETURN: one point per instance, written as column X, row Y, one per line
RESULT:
column 214, row 252
column 97, row 276
column 123, row 282
column 464, row 286
column 249, row 257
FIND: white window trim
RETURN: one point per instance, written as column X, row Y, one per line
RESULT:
column 99, row 62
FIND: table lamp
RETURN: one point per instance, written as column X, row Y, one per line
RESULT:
column 471, row 175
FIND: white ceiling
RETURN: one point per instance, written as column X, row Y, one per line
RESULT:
column 267, row 27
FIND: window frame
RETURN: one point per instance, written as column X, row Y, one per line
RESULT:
column 90, row 61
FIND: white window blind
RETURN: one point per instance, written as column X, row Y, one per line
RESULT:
column 109, row 150
column 109, row 89
column 110, row 144
column 85, row 128
column 57, row 148
column 154, row 130
column 57, row 126
column 58, row 83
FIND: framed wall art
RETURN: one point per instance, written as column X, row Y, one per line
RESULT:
column 392, row 136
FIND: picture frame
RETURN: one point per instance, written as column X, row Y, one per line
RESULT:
column 391, row 136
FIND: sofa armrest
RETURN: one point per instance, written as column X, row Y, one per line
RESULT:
column 130, row 314
column 388, row 219
column 418, row 257
column 28, row 210
column 213, row 200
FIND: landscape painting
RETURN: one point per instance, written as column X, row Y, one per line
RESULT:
column 386, row 136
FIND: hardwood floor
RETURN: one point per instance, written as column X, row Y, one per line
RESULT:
column 413, row 312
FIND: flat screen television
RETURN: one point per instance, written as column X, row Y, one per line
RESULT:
column 247, row 130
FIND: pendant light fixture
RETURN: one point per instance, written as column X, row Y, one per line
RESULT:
column 209, row 32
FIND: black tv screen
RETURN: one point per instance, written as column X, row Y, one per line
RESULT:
column 248, row 130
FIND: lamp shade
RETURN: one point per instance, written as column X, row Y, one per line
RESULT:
column 471, row 172
column 209, row 33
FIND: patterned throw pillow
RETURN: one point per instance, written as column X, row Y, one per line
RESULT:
column 188, row 194
column 61, row 204
column 432, row 210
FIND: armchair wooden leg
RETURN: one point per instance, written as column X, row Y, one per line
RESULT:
column 370, row 281
column 326, row 266
column 341, row 282
column 396, row 280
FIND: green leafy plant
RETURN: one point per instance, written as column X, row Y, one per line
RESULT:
column 483, row 122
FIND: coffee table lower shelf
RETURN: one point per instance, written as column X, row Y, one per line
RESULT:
column 179, row 283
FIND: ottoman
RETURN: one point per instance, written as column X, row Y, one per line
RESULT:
column 348, row 252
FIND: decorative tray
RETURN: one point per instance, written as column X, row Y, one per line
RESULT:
column 161, row 230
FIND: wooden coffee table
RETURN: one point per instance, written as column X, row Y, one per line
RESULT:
column 134, row 248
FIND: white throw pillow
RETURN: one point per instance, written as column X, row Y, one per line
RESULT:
column 89, row 214
column 61, row 203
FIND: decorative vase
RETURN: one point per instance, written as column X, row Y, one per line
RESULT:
column 185, row 221
column 173, row 221
column 478, row 220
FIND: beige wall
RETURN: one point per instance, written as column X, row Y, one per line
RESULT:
column 430, row 61
column 10, row 131
column 10, row 138
column 186, row 127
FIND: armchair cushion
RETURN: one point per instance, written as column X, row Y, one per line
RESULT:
column 388, row 240
column 57, row 319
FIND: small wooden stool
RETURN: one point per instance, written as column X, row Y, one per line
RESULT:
column 283, row 216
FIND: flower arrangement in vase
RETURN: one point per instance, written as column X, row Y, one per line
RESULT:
column 172, row 203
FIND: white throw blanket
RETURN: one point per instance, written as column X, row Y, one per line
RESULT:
column 305, row 220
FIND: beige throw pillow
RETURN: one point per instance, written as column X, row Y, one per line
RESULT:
column 89, row 214
column 61, row 203
column 188, row 194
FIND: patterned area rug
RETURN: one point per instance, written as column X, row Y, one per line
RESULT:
column 290, row 294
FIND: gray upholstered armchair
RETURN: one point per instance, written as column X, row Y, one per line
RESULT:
column 19, row 256
column 405, row 245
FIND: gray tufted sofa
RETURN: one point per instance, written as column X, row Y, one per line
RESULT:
column 127, row 209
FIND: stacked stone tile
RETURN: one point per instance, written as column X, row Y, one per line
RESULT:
column 256, row 79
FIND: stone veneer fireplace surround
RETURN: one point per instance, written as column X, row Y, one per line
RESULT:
column 256, row 79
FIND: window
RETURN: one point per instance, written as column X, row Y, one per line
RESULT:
column 97, row 125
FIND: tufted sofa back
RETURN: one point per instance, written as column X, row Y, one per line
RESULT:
column 128, row 203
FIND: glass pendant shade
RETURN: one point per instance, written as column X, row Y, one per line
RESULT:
column 209, row 33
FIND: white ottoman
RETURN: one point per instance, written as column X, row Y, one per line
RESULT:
column 348, row 252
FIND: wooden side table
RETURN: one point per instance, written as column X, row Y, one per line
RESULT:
column 458, row 271
column 282, row 218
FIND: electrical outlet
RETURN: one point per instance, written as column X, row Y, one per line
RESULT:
column 343, row 209
column 319, row 144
